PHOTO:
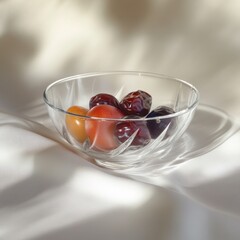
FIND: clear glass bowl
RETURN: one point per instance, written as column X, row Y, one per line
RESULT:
column 77, row 90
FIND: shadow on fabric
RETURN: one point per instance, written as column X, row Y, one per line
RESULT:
column 209, row 128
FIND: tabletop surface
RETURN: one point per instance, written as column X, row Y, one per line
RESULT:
column 49, row 192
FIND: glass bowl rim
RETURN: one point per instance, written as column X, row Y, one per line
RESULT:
column 91, row 74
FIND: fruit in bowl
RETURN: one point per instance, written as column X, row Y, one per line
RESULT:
column 108, row 135
column 136, row 103
column 157, row 126
column 100, row 133
column 76, row 125
column 121, row 118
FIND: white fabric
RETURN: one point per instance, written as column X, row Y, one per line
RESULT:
column 49, row 192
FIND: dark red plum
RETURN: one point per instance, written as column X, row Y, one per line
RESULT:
column 125, row 129
column 103, row 99
column 136, row 103
column 157, row 126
